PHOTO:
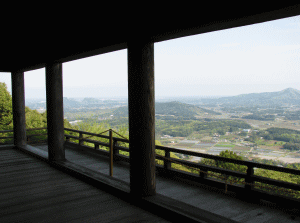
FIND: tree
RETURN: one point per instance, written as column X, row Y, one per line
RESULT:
column 34, row 119
column 243, row 133
column 226, row 165
column 291, row 146
column 233, row 129
column 230, row 166
column 6, row 116
column 221, row 131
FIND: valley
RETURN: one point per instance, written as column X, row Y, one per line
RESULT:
column 240, row 123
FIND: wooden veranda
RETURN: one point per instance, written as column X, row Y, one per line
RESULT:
column 136, row 30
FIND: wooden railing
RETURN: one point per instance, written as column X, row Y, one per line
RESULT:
column 204, row 171
column 29, row 137
column 111, row 143
column 249, row 177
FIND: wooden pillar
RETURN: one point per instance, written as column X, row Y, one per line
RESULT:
column 141, row 117
column 55, row 113
column 18, row 107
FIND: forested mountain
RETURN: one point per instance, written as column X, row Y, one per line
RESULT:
column 172, row 109
column 71, row 103
column 287, row 96
column 180, row 109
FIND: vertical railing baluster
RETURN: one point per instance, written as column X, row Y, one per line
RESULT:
column 167, row 163
column 80, row 139
column 111, row 153
column 249, row 179
column 203, row 173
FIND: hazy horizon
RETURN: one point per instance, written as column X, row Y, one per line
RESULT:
column 156, row 97
column 255, row 58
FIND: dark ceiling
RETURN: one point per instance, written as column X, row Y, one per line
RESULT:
column 30, row 41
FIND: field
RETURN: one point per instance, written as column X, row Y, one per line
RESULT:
column 277, row 123
column 225, row 145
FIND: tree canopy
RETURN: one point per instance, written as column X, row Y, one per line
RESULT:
column 230, row 166
column 226, row 165
column 6, row 117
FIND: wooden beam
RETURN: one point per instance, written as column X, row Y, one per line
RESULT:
column 18, row 107
column 55, row 113
column 141, row 117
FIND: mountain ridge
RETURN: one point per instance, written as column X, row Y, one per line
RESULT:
column 285, row 96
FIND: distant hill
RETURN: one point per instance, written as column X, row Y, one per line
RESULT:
column 71, row 103
column 89, row 101
column 286, row 96
column 176, row 109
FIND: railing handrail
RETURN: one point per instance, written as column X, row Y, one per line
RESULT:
column 204, row 155
column 4, row 131
column 87, row 133
column 11, row 137
column 186, row 152
column 230, row 160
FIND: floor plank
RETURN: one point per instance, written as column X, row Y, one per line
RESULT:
column 40, row 193
column 208, row 200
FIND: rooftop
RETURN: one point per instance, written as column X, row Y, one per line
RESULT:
column 60, row 35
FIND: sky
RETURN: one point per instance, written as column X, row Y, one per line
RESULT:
column 256, row 58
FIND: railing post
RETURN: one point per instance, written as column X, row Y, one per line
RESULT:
column 96, row 146
column 202, row 174
column 167, row 163
column 111, row 153
column 80, row 139
column 250, row 173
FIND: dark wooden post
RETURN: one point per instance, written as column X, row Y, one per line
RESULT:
column 111, row 155
column 55, row 112
column 250, row 173
column 141, row 117
column 167, row 163
column 18, row 107
column 80, row 139
column 203, row 175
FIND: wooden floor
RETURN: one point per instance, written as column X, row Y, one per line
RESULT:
column 32, row 191
column 206, row 200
